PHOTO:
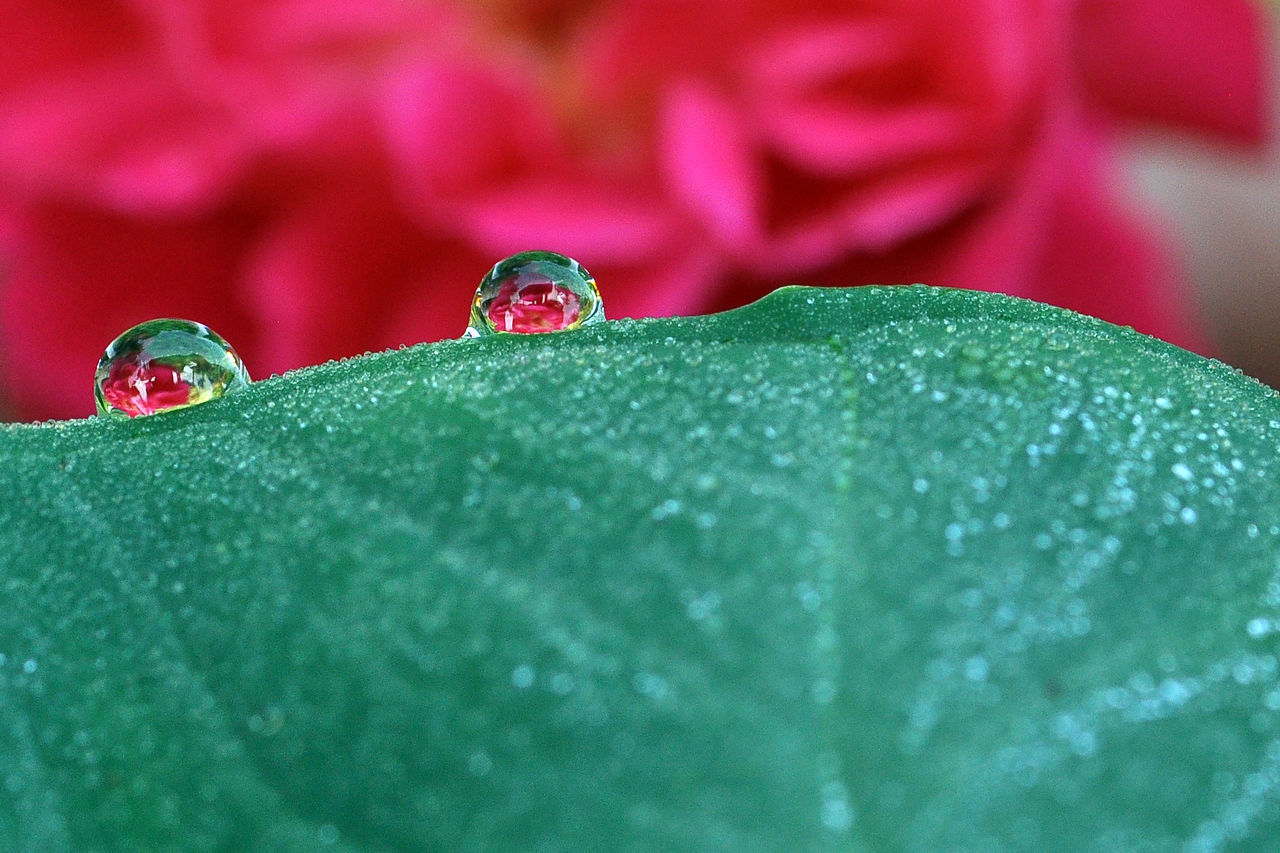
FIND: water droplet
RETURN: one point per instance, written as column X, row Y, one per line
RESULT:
column 665, row 510
column 479, row 763
column 522, row 677
column 837, row 815
column 165, row 364
column 976, row 668
column 535, row 292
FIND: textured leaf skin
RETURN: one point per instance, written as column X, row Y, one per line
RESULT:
column 875, row 569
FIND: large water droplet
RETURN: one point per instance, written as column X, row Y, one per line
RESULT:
column 165, row 364
column 535, row 292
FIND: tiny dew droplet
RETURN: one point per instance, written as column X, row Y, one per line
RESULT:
column 165, row 364
column 535, row 292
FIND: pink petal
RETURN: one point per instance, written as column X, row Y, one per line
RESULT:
column 345, row 31
column 433, row 302
column 454, row 128
column 43, row 39
column 673, row 283
column 866, row 218
column 124, row 136
column 898, row 209
column 1102, row 261
column 811, row 55
column 289, row 68
column 1196, row 65
column 998, row 56
column 327, row 277
column 845, row 139
column 1062, row 235
column 709, row 164
column 1000, row 243
column 577, row 217
column 989, row 240
column 629, row 46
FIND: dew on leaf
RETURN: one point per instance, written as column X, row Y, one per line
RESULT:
column 535, row 292
column 162, row 365
column 522, row 677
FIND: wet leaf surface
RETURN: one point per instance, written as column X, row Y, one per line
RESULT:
column 873, row 569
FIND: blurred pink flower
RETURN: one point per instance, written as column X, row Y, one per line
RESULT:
column 314, row 179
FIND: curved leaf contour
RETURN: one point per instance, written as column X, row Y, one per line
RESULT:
column 872, row 569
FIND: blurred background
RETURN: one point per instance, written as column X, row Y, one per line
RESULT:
column 1223, row 212
column 317, row 179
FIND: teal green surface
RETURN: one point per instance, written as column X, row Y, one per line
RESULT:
column 871, row 569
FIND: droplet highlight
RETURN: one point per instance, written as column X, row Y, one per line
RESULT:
column 533, row 293
column 165, row 364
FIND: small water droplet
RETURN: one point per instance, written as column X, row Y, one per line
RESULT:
column 535, row 292
column 822, row 691
column 976, row 668
column 837, row 815
column 1054, row 342
column 522, row 677
column 665, row 510
column 479, row 764
column 162, row 365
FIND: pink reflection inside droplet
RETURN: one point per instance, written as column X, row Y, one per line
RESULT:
column 529, row 306
column 144, row 389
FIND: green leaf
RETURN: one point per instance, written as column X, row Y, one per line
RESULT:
column 874, row 569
